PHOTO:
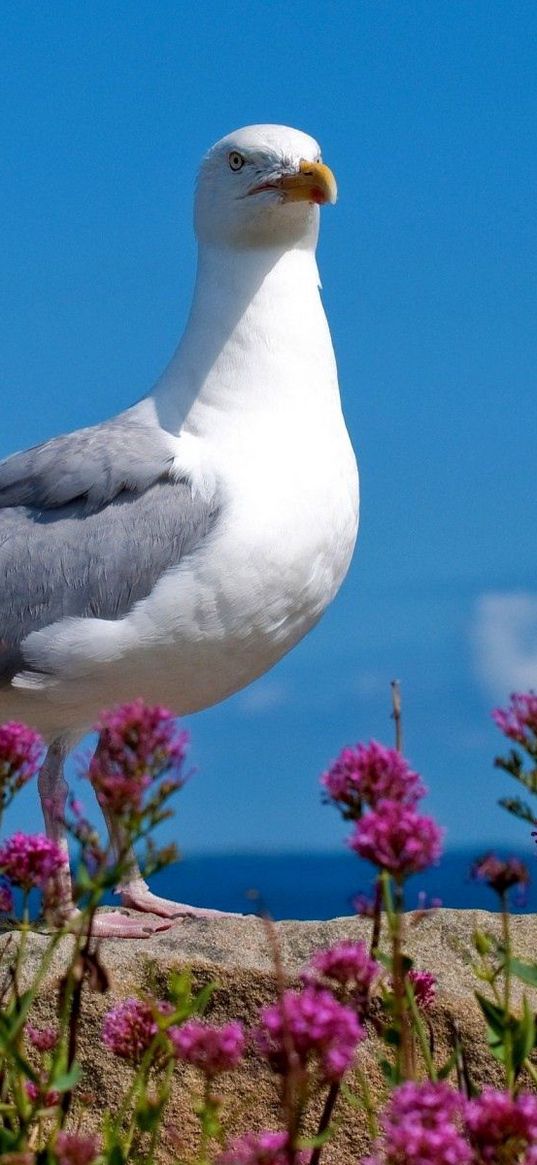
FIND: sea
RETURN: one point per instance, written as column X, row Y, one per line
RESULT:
column 323, row 885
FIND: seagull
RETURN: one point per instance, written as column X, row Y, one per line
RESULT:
column 179, row 549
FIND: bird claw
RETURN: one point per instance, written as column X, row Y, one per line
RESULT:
column 140, row 898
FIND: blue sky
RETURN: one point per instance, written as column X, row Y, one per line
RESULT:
column 427, row 113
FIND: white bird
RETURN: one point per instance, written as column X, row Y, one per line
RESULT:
column 180, row 549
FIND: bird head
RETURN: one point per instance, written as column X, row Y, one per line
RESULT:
column 262, row 186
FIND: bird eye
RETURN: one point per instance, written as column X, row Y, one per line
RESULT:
column 236, row 160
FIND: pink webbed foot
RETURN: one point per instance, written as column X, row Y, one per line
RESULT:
column 138, row 896
column 115, row 924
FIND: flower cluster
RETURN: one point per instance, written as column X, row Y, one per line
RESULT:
column 21, row 750
column 432, row 1123
column 131, row 1025
column 314, row 1024
column 6, row 899
column 29, row 860
column 370, row 773
column 76, row 1149
column 501, row 874
column 211, row 1049
column 500, row 1127
column 396, row 838
column 350, row 965
column 44, row 1039
column 137, row 745
column 422, row 1123
column 259, row 1149
column 364, row 905
column 424, row 988
column 39, row 1094
column 519, row 721
column 375, row 787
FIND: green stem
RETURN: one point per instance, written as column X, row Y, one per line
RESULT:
column 206, row 1118
column 394, row 904
column 131, row 1095
column 506, row 936
column 164, row 1098
column 372, row 1123
column 422, row 1034
column 531, row 1070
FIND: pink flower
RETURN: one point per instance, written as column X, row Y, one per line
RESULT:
column 259, row 1149
column 316, row 1025
column 211, row 1049
column 44, row 1038
column 130, row 1027
column 30, row 859
column 137, row 745
column 500, row 1127
column 421, row 1126
column 424, row 988
column 350, row 965
column 37, row 1093
column 74, row 1149
column 370, row 773
column 21, row 750
column 396, row 838
column 519, row 721
column 501, row 874
column 6, row 899
column 364, row 905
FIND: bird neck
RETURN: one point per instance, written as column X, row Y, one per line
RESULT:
column 249, row 307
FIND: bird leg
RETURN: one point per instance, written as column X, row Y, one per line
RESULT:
column 53, row 789
column 135, row 892
column 58, row 899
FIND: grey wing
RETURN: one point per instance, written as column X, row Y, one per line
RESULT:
column 95, row 464
column 67, row 561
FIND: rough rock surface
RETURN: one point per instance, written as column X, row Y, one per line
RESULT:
column 236, row 953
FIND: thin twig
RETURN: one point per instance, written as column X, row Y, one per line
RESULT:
column 397, row 713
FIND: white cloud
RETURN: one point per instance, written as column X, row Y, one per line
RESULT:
column 368, row 684
column 505, row 642
column 263, row 696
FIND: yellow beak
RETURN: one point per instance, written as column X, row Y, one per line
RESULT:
column 314, row 182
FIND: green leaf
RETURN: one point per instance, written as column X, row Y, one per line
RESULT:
column 12, row 1022
column 483, row 942
column 494, row 1015
column 448, row 1067
column 392, row 1036
column 67, row 1080
column 8, row 1139
column 497, row 1024
column 116, row 1156
column 84, row 882
column 523, row 1036
column 518, row 808
column 148, row 1116
column 180, row 986
column 389, row 1072
column 527, row 972
column 203, row 998
column 319, row 1139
